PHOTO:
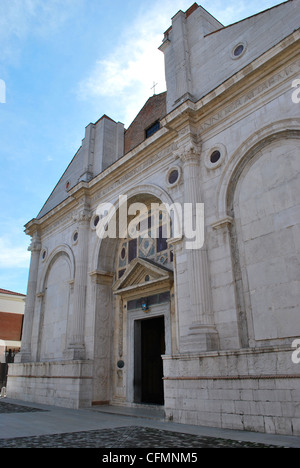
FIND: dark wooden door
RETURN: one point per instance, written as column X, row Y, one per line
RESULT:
column 152, row 347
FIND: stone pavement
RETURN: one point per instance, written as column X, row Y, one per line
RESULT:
column 27, row 425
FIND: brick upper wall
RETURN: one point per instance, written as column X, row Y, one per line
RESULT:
column 153, row 110
column 10, row 326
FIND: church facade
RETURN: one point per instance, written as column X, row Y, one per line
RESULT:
column 206, row 326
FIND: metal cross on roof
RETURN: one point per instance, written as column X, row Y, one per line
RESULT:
column 153, row 87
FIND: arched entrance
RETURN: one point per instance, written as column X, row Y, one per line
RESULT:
column 137, row 324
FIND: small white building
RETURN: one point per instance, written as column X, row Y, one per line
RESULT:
column 205, row 332
column 12, row 305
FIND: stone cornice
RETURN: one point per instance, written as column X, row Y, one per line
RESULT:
column 79, row 191
column 53, row 216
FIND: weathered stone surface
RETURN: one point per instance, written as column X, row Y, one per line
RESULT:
column 232, row 131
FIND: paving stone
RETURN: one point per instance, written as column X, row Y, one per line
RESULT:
column 126, row 437
column 121, row 437
column 6, row 407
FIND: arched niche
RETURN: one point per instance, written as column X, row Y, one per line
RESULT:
column 55, row 284
column 262, row 200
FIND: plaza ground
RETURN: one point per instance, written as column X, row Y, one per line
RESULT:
column 28, row 425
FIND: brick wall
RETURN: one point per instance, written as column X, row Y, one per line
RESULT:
column 10, row 326
column 153, row 110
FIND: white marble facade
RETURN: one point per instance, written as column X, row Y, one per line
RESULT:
column 231, row 310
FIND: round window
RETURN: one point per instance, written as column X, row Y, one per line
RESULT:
column 238, row 50
column 215, row 156
column 173, row 176
column 75, row 236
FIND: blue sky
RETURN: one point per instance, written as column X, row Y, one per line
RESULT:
column 65, row 63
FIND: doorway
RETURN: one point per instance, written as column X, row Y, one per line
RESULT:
column 149, row 345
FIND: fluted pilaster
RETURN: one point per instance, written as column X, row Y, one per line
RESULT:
column 202, row 333
column 76, row 348
column 34, row 248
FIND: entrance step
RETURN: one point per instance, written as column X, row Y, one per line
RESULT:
column 140, row 411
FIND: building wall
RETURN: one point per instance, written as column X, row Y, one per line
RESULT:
column 233, row 310
column 252, row 207
column 236, row 389
column 11, row 326
column 208, row 56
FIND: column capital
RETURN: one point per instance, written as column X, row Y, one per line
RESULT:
column 226, row 221
column 82, row 215
column 35, row 245
column 190, row 155
column 101, row 277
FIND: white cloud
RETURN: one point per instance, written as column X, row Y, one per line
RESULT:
column 13, row 256
column 13, row 244
column 128, row 71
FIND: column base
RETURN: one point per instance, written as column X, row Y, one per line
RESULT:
column 23, row 356
column 75, row 353
column 200, row 338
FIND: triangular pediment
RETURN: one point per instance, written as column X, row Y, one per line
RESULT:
column 143, row 275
